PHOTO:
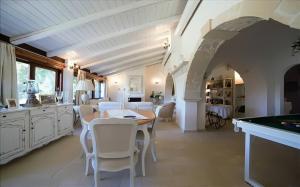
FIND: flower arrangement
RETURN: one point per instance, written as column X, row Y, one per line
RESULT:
column 156, row 95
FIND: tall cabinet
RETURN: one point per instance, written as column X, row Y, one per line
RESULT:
column 23, row 130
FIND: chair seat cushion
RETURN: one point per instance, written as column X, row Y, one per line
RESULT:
column 114, row 164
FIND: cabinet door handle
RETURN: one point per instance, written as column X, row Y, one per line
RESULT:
column 24, row 130
column 58, row 120
column 4, row 116
column 44, row 110
column 32, row 127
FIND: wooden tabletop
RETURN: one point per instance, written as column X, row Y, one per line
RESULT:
column 147, row 113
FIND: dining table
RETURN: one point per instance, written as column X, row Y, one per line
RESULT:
column 142, row 125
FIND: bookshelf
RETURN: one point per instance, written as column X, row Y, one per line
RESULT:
column 219, row 92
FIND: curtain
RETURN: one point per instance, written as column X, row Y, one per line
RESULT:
column 80, row 76
column 8, row 73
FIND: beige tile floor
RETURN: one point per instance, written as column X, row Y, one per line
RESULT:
column 212, row 158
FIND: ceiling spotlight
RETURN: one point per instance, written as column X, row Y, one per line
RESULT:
column 166, row 45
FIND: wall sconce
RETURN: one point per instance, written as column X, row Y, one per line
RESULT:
column 71, row 64
column 156, row 81
column 166, row 45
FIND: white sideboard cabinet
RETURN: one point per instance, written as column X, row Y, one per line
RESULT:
column 13, row 135
column 22, row 130
column 64, row 120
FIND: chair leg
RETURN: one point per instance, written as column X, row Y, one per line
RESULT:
column 132, row 173
column 153, row 151
column 96, row 173
column 87, row 165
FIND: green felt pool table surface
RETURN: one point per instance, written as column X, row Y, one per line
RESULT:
column 285, row 122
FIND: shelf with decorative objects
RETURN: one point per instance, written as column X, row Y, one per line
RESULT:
column 219, row 91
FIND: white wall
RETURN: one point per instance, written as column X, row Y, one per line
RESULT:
column 154, row 73
column 118, row 85
column 220, row 72
column 151, row 74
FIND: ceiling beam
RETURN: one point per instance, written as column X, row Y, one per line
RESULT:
column 153, row 38
column 91, row 41
column 141, row 57
column 122, row 55
column 36, row 35
column 122, row 65
column 131, row 67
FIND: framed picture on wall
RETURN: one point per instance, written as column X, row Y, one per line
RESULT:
column 11, row 103
column 136, row 84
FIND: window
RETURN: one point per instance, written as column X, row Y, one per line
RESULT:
column 102, row 90
column 97, row 89
column 23, row 71
column 74, row 87
column 46, row 80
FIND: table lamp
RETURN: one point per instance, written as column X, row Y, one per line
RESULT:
column 32, row 88
column 85, row 85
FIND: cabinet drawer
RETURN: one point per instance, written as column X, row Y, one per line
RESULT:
column 42, row 111
column 68, row 108
column 12, row 115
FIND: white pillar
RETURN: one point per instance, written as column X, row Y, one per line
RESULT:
column 68, row 74
column 201, row 114
column 191, row 115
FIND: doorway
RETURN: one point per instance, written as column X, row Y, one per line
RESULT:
column 292, row 90
column 224, row 95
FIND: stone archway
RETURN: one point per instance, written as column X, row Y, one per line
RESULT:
column 207, row 50
column 264, row 97
column 213, row 40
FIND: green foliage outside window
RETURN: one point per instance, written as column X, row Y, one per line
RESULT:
column 46, row 80
column 22, row 77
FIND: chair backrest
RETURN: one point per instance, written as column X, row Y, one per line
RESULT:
column 113, row 138
column 131, row 105
column 103, row 106
column 166, row 110
column 94, row 101
column 144, row 105
column 85, row 110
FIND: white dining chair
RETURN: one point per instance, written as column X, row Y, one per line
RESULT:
column 113, row 146
column 145, row 106
column 152, row 133
column 131, row 105
column 103, row 106
column 83, row 111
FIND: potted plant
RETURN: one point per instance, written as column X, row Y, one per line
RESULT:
column 156, row 97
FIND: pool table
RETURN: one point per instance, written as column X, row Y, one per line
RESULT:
column 280, row 129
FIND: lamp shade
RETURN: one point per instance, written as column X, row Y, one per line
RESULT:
column 85, row 85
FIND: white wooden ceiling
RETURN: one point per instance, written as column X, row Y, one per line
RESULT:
column 104, row 36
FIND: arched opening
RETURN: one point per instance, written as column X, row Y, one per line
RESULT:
column 292, row 90
column 248, row 53
column 169, row 89
column 224, row 95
